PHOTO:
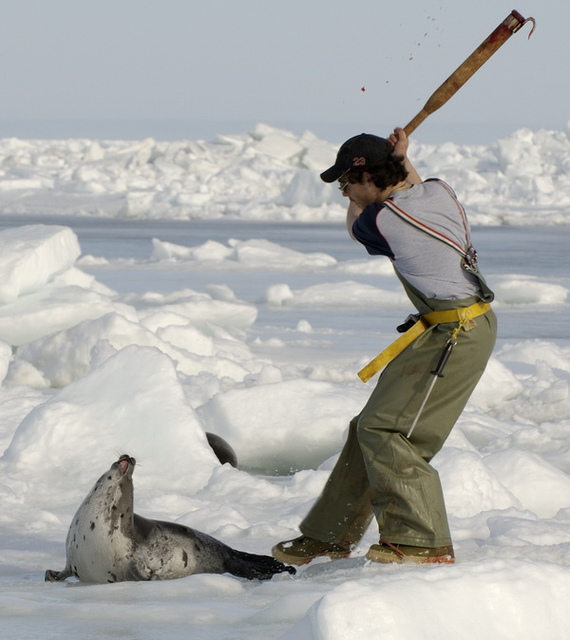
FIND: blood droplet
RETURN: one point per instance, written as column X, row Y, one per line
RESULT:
column 362, row 88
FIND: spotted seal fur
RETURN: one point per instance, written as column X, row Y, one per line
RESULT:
column 108, row 542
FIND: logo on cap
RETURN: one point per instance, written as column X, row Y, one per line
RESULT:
column 359, row 162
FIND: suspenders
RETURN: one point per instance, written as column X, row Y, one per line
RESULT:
column 467, row 252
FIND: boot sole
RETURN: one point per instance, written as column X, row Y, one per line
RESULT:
column 386, row 556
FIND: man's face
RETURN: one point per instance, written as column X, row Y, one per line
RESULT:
column 362, row 193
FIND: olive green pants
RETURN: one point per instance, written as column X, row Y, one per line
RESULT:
column 380, row 472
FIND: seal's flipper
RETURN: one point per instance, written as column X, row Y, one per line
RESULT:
column 255, row 567
column 57, row 576
column 222, row 449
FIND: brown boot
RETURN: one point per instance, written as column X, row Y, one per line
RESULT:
column 303, row 549
column 385, row 552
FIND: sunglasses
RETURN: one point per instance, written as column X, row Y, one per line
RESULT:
column 344, row 181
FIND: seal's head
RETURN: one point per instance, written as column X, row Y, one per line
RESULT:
column 113, row 491
column 125, row 465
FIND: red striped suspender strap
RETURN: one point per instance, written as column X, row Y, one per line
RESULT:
column 433, row 232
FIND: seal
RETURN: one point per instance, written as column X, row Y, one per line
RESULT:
column 222, row 449
column 108, row 542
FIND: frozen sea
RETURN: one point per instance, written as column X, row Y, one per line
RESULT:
column 128, row 326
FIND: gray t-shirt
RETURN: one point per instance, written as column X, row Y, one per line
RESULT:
column 426, row 262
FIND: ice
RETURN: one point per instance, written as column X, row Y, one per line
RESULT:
column 252, row 419
column 270, row 173
column 33, row 256
column 477, row 594
column 538, row 486
column 5, row 357
column 127, row 416
column 196, row 286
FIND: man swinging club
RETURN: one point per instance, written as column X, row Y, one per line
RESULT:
column 383, row 470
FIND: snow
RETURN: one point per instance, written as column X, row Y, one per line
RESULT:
column 150, row 292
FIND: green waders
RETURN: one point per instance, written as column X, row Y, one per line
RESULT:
column 380, row 473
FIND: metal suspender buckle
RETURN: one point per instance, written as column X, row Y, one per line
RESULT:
column 469, row 262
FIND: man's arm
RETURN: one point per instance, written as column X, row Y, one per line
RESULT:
column 400, row 141
column 352, row 213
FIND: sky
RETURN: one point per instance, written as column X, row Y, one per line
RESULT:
column 189, row 69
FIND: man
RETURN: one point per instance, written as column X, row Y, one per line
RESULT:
column 383, row 470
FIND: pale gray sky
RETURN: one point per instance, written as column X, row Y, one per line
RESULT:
column 193, row 68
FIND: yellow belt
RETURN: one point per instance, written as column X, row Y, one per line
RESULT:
column 462, row 315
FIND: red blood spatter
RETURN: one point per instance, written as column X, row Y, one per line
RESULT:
column 362, row 88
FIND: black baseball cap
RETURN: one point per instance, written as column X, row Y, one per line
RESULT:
column 361, row 152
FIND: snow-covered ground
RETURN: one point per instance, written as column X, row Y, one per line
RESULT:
column 151, row 292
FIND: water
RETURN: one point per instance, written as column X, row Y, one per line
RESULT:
column 534, row 252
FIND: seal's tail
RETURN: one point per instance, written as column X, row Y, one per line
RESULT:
column 255, row 567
